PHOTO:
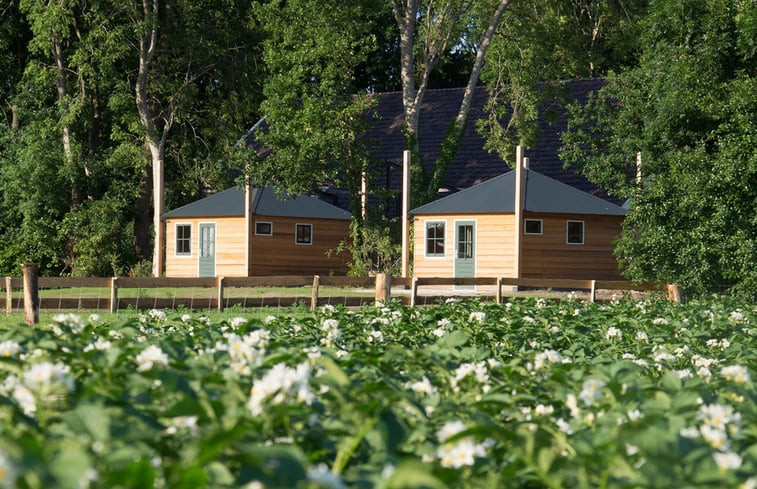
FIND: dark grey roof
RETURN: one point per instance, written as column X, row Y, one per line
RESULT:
column 265, row 202
column 473, row 164
column 543, row 194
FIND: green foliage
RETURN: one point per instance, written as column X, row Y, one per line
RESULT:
column 689, row 108
column 460, row 394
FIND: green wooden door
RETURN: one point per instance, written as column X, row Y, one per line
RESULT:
column 207, row 259
column 465, row 249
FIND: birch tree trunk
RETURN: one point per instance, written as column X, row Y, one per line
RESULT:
column 154, row 139
column 439, row 30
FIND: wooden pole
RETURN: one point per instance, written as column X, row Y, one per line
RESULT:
column 383, row 289
column 675, row 293
column 8, row 296
column 219, row 287
column 593, row 290
column 363, row 194
column 314, row 292
column 518, row 206
column 414, row 292
column 31, row 294
column 499, row 290
column 114, row 295
column 405, row 212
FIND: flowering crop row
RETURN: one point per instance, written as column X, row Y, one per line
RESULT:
column 463, row 394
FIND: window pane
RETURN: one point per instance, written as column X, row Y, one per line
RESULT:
column 183, row 239
column 575, row 232
column 533, row 226
column 304, row 235
column 263, row 228
column 435, row 238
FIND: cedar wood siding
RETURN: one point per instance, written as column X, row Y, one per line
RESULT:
column 493, row 247
column 230, row 244
column 549, row 256
column 280, row 255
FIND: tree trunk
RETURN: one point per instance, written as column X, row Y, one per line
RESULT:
column 155, row 143
column 62, row 90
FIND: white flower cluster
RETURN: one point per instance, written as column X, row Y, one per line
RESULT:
column 718, row 422
column 547, row 358
column 613, row 332
column 8, row 471
column 71, row 321
column 9, row 348
column 591, row 391
column 423, row 387
column 245, row 351
column 736, row 374
column 157, row 315
column 40, row 382
column 461, row 451
column 279, row 385
column 99, row 344
column 477, row 370
column 182, row 424
column 151, row 357
column 477, row 317
column 330, row 328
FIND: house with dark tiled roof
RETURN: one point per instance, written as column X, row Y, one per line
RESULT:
column 519, row 224
column 472, row 163
column 254, row 231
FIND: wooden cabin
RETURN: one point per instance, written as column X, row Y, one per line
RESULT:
column 519, row 224
column 238, row 233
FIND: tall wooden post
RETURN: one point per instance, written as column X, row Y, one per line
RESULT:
column 31, row 294
column 405, row 211
column 114, row 295
column 675, row 293
column 314, row 292
column 520, row 188
column 383, row 289
column 8, row 295
column 248, row 224
column 363, row 195
column 219, row 293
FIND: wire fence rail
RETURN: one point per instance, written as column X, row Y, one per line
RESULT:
column 218, row 293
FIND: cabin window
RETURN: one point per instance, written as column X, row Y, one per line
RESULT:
column 304, row 234
column 264, row 228
column 532, row 226
column 183, row 239
column 575, row 232
column 435, row 238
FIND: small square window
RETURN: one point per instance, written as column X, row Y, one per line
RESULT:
column 532, row 226
column 575, row 232
column 264, row 228
column 304, row 234
column 435, row 238
column 183, row 239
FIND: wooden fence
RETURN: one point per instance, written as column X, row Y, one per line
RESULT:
column 221, row 288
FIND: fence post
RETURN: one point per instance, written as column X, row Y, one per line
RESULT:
column 383, row 289
column 414, row 292
column 593, row 290
column 114, row 295
column 31, row 294
column 499, row 290
column 674, row 293
column 314, row 292
column 8, row 296
column 219, row 285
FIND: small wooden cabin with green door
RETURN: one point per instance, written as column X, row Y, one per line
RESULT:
column 557, row 231
column 238, row 233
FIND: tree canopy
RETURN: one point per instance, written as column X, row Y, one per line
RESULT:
column 689, row 110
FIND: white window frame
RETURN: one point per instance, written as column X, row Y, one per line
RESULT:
column 426, row 238
column 176, row 239
column 541, row 227
column 270, row 223
column 296, row 226
column 567, row 232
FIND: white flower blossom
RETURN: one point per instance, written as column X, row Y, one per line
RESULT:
column 422, row 386
column 727, row 460
column 279, row 385
column 613, row 332
column 591, row 391
column 321, row 476
column 9, row 348
column 182, row 424
column 151, row 357
column 735, row 373
column 477, row 316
